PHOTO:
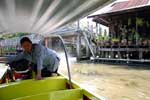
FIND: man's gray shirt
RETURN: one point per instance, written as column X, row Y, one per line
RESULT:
column 42, row 56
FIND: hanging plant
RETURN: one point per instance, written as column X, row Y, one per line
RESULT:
column 99, row 38
column 136, row 35
column 106, row 38
column 147, row 24
column 129, row 21
column 133, row 30
column 129, row 29
column 130, row 38
column 139, row 21
column 115, row 39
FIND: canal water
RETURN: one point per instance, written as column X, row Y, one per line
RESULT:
column 113, row 82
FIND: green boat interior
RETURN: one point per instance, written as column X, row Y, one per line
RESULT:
column 52, row 88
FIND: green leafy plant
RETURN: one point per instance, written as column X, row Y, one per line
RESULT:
column 115, row 39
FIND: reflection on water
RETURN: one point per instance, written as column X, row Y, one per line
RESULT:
column 114, row 82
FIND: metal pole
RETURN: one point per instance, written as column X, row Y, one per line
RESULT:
column 66, row 55
column 78, row 23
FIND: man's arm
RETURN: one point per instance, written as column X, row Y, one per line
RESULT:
column 38, row 54
column 39, row 67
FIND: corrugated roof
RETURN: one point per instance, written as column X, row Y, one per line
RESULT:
column 128, row 4
column 121, row 5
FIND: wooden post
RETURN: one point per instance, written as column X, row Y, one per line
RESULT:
column 140, row 54
column 97, row 29
column 78, row 22
column 78, row 46
column 46, row 42
column 87, row 51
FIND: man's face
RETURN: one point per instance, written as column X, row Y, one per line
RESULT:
column 27, row 46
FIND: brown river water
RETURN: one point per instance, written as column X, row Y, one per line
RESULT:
column 113, row 82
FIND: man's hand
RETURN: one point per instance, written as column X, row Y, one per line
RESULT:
column 38, row 76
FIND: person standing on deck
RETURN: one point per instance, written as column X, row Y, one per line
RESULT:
column 46, row 59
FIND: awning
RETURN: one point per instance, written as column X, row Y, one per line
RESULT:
column 43, row 16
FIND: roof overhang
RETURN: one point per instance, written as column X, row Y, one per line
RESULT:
column 130, row 10
column 122, row 7
column 43, row 16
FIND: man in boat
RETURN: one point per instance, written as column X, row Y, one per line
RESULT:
column 46, row 60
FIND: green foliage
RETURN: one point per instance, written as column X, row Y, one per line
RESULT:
column 147, row 24
column 102, row 38
column 129, row 21
column 12, row 35
column 136, row 35
column 139, row 21
column 106, row 38
column 130, row 38
column 115, row 39
column 99, row 38
column 133, row 30
column 11, row 49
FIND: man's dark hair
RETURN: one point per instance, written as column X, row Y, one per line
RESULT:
column 25, row 39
